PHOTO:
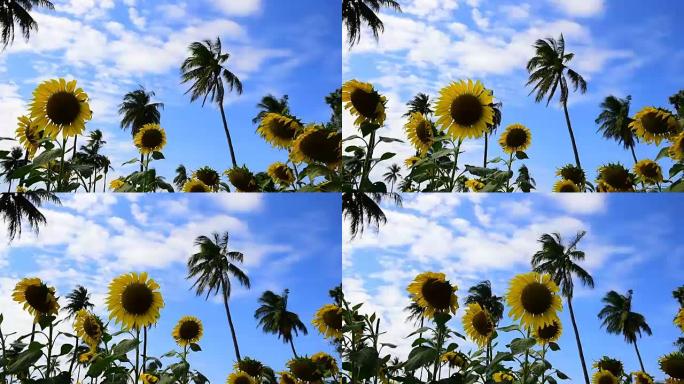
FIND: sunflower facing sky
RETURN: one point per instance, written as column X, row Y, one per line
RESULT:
column 134, row 300
column 317, row 144
column 615, row 178
column 88, row 327
column 611, row 365
column 37, row 298
column 328, row 320
column 649, row 172
column 195, row 186
column 516, row 138
column 364, row 102
column 151, row 138
column 281, row 174
column 279, row 130
column 59, row 107
column 654, row 125
column 604, row 377
column 240, row 378
column 188, row 331
column 549, row 333
column 432, row 292
column 419, row 131
column 464, row 109
column 478, row 324
column 534, row 300
column 566, row 186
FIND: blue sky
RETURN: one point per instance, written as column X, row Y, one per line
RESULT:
column 112, row 46
column 93, row 238
column 621, row 48
column 632, row 243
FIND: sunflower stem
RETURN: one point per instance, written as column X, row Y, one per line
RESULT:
column 74, row 357
column 49, row 354
column 61, row 167
column 457, row 152
column 137, row 355
column 435, row 370
column 144, row 356
column 510, row 168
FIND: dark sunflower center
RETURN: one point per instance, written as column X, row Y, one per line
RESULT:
column 281, row 173
column 63, row 108
column 38, row 297
column 305, row 371
column 91, row 327
column 567, row 187
column 536, row 298
column 573, row 174
column 197, row 188
column 654, row 124
column 286, row 379
column 616, row 177
column 322, row 146
column 137, row 298
column 252, row 368
column 516, row 138
column 548, row 332
column 243, row 181
column 333, row 319
column 605, row 379
column 152, row 138
column 650, row 170
column 283, row 130
column 612, row 366
column 242, row 380
column 641, row 380
column 674, row 367
column 466, row 110
column 424, row 132
column 366, row 103
column 189, row 330
column 482, row 324
column 208, row 177
column 437, row 293
column 680, row 144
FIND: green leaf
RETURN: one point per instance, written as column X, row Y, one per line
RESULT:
column 368, row 128
column 554, row 346
column 561, row 375
column 522, row 345
column 520, row 155
column 420, row 357
column 387, row 156
column 158, row 156
column 195, row 347
column 125, row 346
column 665, row 152
column 513, row 327
column 66, row 348
column 390, row 140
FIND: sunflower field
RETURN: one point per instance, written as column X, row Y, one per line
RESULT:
column 467, row 110
column 473, row 351
column 75, row 345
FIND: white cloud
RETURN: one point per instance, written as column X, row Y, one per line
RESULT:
column 580, row 8
column 246, row 202
column 581, row 203
column 237, row 7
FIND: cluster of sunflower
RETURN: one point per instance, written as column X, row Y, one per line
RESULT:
column 673, row 364
column 465, row 111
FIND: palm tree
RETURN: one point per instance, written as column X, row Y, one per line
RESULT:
column 205, row 70
column 212, row 267
column 78, row 299
column 17, row 11
column 420, row 103
column 362, row 209
column 491, row 129
column 334, row 100
column 136, row 110
column 678, row 294
column 357, row 12
column 482, row 294
column 549, row 71
column 9, row 164
column 17, row 207
column 560, row 261
column 677, row 101
column 272, row 104
column 618, row 318
column 392, row 175
column 416, row 315
column 181, row 176
column 274, row 318
column 614, row 122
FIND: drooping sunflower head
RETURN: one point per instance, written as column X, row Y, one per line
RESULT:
column 615, row 178
column 150, row 138
column 287, row 378
column 87, row 357
column 188, row 331
column 38, row 299
column 305, row 369
column 670, row 380
column 502, row 377
column 419, row 131
column 464, row 109
column 117, row 184
column 573, row 173
column 411, row 161
column 611, row 365
column 279, row 130
column 196, row 186
column 29, row 135
column 252, row 367
column 642, row 378
column 317, row 144
column 653, row 125
column 88, row 327
column 326, row 361
column 516, row 138
column 454, row 359
column 364, row 102
column 679, row 320
column 534, row 300
column 281, row 174
column 649, row 171
column 208, row 176
column 242, row 179
column 676, row 150
column 58, row 106
column 673, row 365
column 240, row 377
column 604, row 377
column 328, row 320
column 134, row 300
column 549, row 333
column 478, row 324
column 433, row 293
column 147, row 378
column 565, row 186
column 474, row 185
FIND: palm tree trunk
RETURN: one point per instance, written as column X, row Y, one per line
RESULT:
column 142, row 159
column 485, row 149
column 293, row 348
column 639, row 356
column 232, row 327
column 634, row 156
column 579, row 343
column 230, row 141
column 572, row 134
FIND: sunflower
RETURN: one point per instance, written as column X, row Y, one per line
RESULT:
column 679, row 320
column 534, row 299
column 21, row 189
column 567, row 186
column 29, row 135
column 549, row 333
column 615, row 178
column 326, row 361
column 88, row 328
column 188, row 331
column 37, row 297
column 254, row 368
column 279, row 130
column 465, row 109
column 318, row 145
column 502, row 377
column 516, row 138
column 613, row 366
column 134, row 300
column 642, row 378
column 649, row 171
column 676, row 150
column 287, row 378
column 240, row 378
column 454, row 359
column 363, row 101
column 670, row 380
column 673, row 365
column 474, row 185
column 432, row 292
column 86, row 357
column 208, row 176
column 478, row 324
column 195, row 186
column 411, row 161
column 242, row 179
column 654, row 124
column 305, row 369
column 150, row 138
column 59, row 106
column 147, row 378
column 604, row 377
column 281, row 174
column 117, row 184
column 574, row 174
column 328, row 320
column 419, row 131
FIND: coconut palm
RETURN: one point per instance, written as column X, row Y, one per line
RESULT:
column 491, row 129
column 274, row 318
column 678, row 294
column 677, row 101
column 181, row 176
column 11, row 163
column 416, row 315
column 136, row 110
column 334, row 100
column 17, row 12
column 420, row 103
column 363, row 209
column 549, row 71
column 357, row 12
column 204, row 68
column 78, row 299
column 272, row 104
column 482, row 294
column 17, row 207
column 618, row 318
column 212, row 268
column 392, row 175
column 614, row 122
column 560, row 261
